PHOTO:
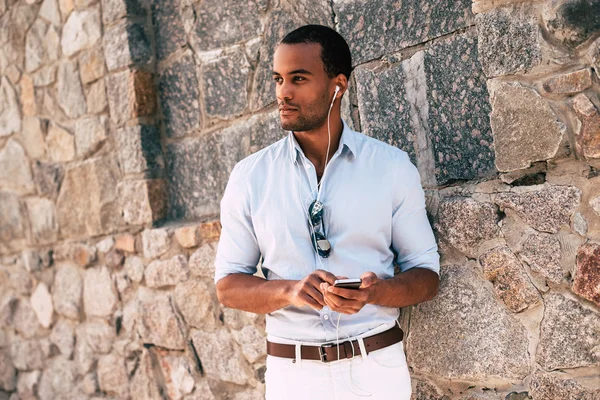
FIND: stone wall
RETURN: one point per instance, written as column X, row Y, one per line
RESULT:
column 120, row 121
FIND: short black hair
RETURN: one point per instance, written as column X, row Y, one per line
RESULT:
column 335, row 52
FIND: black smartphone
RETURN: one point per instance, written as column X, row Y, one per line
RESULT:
column 348, row 283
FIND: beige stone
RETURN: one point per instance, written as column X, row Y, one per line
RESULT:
column 588, row 135
column 187, row 236
column 572, row 82
column 112, row 375
column 169, row 272
column 41, row 302
column 143, row 383
column 61, row 144
column 143, row 201
column 210, row 231
column 99, row 293
column 96, row 97
column 63, row 337
column 70, row 97
column 42, row 219
column 195, row 300
column 125, row 242
column 81, row 30
column 252, row 342
column 202, row 261
column 33, row 137
column 10, row 116
column 27, row 385
column 15, row 173
column 177, row 372
column 28, row 96
column 90, row 134
column 155, row 242
column 158, row 323
column 25, row 320
column 66, row 294
column 91, row 65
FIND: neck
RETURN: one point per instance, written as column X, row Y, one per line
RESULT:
column 314, row 142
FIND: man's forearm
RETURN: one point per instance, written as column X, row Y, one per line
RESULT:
column 253, row 294
column 406, row 289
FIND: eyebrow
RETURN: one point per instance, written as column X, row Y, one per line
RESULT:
column 296, row 71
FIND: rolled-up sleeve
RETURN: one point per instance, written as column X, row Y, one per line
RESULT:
column 238, row 250
column 412, row 236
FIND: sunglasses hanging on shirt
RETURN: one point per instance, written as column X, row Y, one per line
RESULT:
column 318, row 239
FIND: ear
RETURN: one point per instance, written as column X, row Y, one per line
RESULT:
column 342, row 82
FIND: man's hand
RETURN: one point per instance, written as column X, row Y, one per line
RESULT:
column 307, row 292
column 350, row 301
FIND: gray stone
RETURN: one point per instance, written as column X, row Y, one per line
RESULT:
column 139, row 148
column 25, row 321
column 48, row 178
column 134, row 268
column 225, row 81
column 81, row 30
column 509, row 40
column 177, row 372
column 143, row 383
column 221, row 23
column 466, row 223
column 143, row 201
column 98, row 335
column 90, row 133
column 41, row 303
column 568, row 337
column 41, row 46
column 10, row 113
column 8, row 374
column 63, row 337
column 112, row 375
column 83, row 355
column 27, row 385
column 45, row 76
column 91, row 65
column 557, row 386
column 126, row 43
column 221, row 356
column 168, row 27
column 195, row 300
column 426, row 391
column 485, row 338
column 586, row 282
column 60, row 143
column 580, row 225
column 374, row 31
column 571, row 22
column 115, row 9
column 33, row 137
column 27, row 354
column 252, row 342
column 158, row 323
column 202, row 261
column 511, row 283
column 42, row 219
column 11, row 218
column 595, row 204
column 70, row 92
column 15, row 174
column 66, row 294
column 58, row 380
column 85, row 205
column 50, row 12
column 96, row 97
column 89, row 383
column 130, row 95
column 542, row 254
column 155, row 242
column 35, row 260
column 8, row 304
column 105, row 245
column 525, row 128
column 544, row 209
column 99, row 293
column 169, row 272
column 179, row 97
column 20, row 280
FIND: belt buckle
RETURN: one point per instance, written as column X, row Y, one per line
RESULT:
column 322, row 353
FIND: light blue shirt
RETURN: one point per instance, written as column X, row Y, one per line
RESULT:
column 374, row 206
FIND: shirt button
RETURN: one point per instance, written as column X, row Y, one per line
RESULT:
column 307, row 166
column 325, row 317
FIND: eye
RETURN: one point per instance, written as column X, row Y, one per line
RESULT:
column 278, row 79
column 299, row 78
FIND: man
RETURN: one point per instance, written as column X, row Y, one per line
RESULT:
column 321, row 204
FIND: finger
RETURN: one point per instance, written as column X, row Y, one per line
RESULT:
column 342, row 277
column 351, row 294
column 309, row 301
column 315, row 294
column 368, row 278
column 325, row 276
column 337, row 301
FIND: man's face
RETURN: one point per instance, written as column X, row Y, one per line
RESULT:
column 302, row 86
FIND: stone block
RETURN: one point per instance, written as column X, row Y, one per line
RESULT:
column 210, row 231
column 569, row 83
column 41, row 46
column 180, row 97
column 187, row 236
column 252, row 343
column 45, row 76
column 195, row 300
column 41, row 302
column 80, row 253
column 391, row 26
column 511, row 283
column 27, row 355
column 509, row 40
column 580, row 225
column 143, row 383
column 558, row 387
column 139, row 148
column 114, row 259
column 28, row 99
column 586, row 282
column 466, row 224
column 42, row 220
column 10, row 113
column 542, row 254
column 90, row 134
column 105, row 245
column 544, row 209
column 112, row 375
column 134, row 268
column 11, row 217
column 60, row 143
column 125, row 242
column 19, row 279
column 226, row 81
column 169, row 272
column 33, row 137
column 99, row 293
column 27, row 384
column 58, row 380
column 63, row 337
column 96, row 97
column 125, row 44
column 115, row 9
column 48, row 178
column 568, row 334
column 221, row 357
column 485, row 338
column 143, row 201
column 70, row 92
column 50, row 12
column 571, row 22
column 8, row 304
column 155, row 242
column 81, row 30
column 588, row 133
column 34, row 260
column 130, row 95
column 158, row 323
column 66, row 293
column 25, row 320
column 15, row 174
column 91, row 65
column 525, row 128
column 168, row 25
column 99, row 336
column 85, row 205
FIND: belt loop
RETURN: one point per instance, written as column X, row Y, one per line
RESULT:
column 298, row 354
column 363, row 349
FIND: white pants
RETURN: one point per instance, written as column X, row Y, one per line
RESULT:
column 383, row 374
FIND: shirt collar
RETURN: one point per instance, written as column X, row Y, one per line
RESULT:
column 347, row 140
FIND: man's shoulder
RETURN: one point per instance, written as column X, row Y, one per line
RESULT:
column 262, row 158
column 382, row 151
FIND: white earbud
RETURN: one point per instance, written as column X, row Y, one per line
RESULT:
column 337, row 89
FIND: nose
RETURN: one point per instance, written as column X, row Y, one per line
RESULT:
column 284, row 91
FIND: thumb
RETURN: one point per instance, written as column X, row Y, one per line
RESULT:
column 368, row 278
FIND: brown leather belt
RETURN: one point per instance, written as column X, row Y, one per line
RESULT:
column 328, row 352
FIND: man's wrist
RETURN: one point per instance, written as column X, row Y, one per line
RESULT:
column 377, row 291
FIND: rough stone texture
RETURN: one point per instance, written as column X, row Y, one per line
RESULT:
column 179, row 97
column 426, row 391
column 202, row 261
column 10, row 114
column 60, row 143
column 143, row 201
column 85, row 205
column 28, row 101
column 42, row 219
column 66, row 294
column 544, row 209
column 588, row 134
column 168, row 27
column 374, row 31
column 225, row 81
column 82, row 254
column 41, row 46
column 115, row 9
column 130, row 95
column 96, row 97
column 525, row 128
column 70, row 92
column 112, row 375
column 221, row 357
column 91, row 65
column 34, row 260
column 572, row 82
column 509, row 40
column 188, row 236
column 210, row 231
column 11, row 218
column 143, row 383
column 158, row 323
column 41, row 303
column 511, row 283
column 251, row 341
column 466, row 223
column 155, row 242
column 98, row 336
column 81, row 31
column 580, row 224
column 166, row 273
column 25, row 320
column 33, row 137
column 569, row 334
column 27, row 385
column 546, row 386
column 90, row 133
column 134, row 268
column 587, row 276
column 571, row 22
column 486, row 339
column 595, row 204
column 48, row 178
column 99, row 294
column 177, row 372
column 195, row 300
column 139, row 148
column 15, row 174
column 50, row 11
column 63, row 337
column 125, row 242
column 27, row 355
column 542, row 254
column 136, row 51
column 58, row 380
